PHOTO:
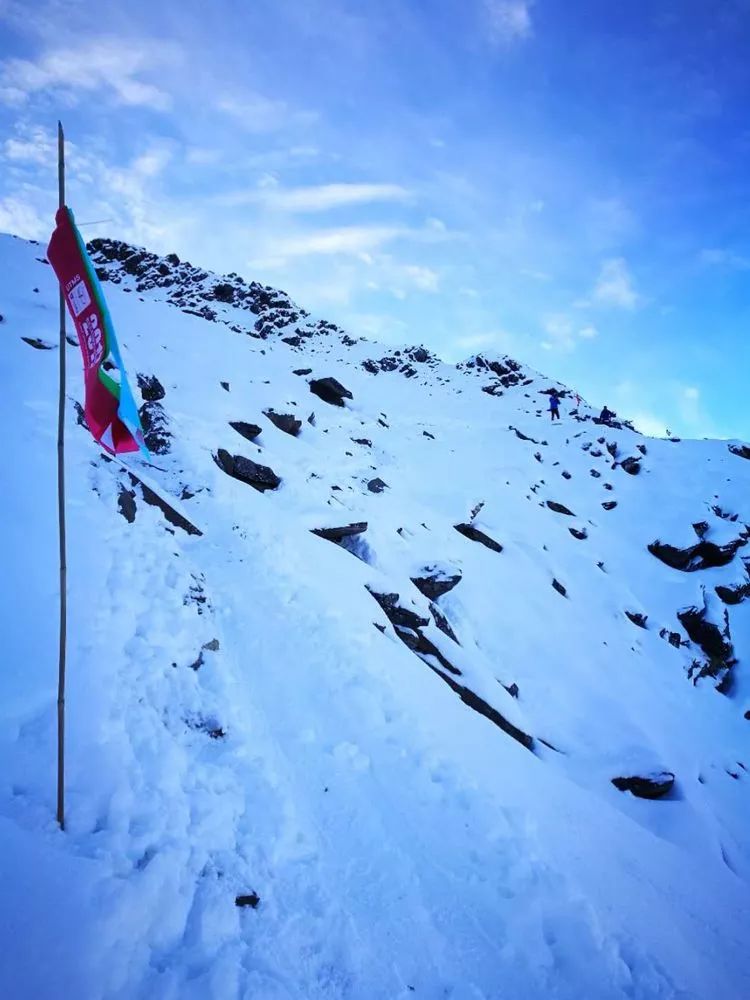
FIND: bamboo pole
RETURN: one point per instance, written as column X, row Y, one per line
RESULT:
column 61, row 518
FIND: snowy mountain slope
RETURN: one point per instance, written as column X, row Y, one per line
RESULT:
column 238, row 724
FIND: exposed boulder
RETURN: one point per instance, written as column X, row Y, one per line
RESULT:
column 637, row 618
column 562, row 591
column 286, row 422
column 330, row 390
column 155, row 425
column 741, row 450
column 469, row 531
column 260, row 477
column 339, row 533
column 434, row 582
column 248, row 431
column 126, row 504
column 224, row 385
column 151, row 388
column 580, row 533
column 609, row 504
column 673, row 638
column 396, row 614
column 631, row 465
column 714, row 642
column 377, row 485
column 733, row 594
column 559, row 508
column 38, row 343
column 703, row 555
column 649, row 786
column 302, row 371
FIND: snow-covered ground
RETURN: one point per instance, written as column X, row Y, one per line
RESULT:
column 245, row 718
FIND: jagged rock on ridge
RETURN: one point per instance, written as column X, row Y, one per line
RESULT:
column 637, row 618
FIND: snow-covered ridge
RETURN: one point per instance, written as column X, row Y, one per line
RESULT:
column 381, row 684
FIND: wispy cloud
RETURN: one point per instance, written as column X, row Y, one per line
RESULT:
column 21, row 218
column 351, row 240
column 258, row 113
column 716, row 257
column 564, row 334
column 509, row 21
column 102, row 65
column 319, row 198
column 614, row 286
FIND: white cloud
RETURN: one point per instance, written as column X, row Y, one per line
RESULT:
column 319, row 198
column 614, row 287
column 33, row 145
column 716, row 257
column 563, row 333
column 22, row 219
column 423, row 278
column 351, row 240
column 649, row 424
column 509, row 21
column 258, row 113
column 102, row 64
column 691, row 392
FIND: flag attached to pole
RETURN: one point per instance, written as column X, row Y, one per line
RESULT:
column 110, row 409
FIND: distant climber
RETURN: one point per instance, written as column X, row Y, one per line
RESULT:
column 554, row 405
column 606, row 415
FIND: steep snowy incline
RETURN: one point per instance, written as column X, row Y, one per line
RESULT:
column 403, row 743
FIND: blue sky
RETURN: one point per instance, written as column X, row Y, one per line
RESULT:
column 566, row 182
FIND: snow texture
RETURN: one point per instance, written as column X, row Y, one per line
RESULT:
column 244, row 717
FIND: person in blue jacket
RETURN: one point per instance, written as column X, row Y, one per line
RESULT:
column 554, row 406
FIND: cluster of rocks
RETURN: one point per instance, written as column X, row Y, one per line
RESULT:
column 401, row 361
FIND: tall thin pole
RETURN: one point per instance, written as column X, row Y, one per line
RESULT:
column 61, row 518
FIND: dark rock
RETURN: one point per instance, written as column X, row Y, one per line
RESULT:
column 330, row 390
column 741, row 450
column 700, row 528
column 366, row 442
column 377, row 485
column 345, row 531
column 641, row 448
column 611, row 447
column 468, row 697
column 260, row 477
column 580, row 534
column 469, row 531
column 652, row 786
column 559, row 508
column 673, row 638
column 428, row 435
column 434, row 583
column 80, row 414
column 126, row 504
column 631, row 465
column 151, row 388
column 442, row 622
column 566, row 475
column 294, row 340
column 223, row 292
column 733, row 595
column 286, row 422
column 703, row 555
column 705, row 634
column 512, row 689
column 36, row 342
column 595, row 474
column 251, row 899
column 248, row 431
column 396, row 614
column 559, row 588
column 637, row 618
column 224, row 385
column 155, row 425
column 302, row 371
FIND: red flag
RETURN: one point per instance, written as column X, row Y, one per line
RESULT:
column 110, row 409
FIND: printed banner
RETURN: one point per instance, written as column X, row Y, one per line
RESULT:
column 110, row 409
